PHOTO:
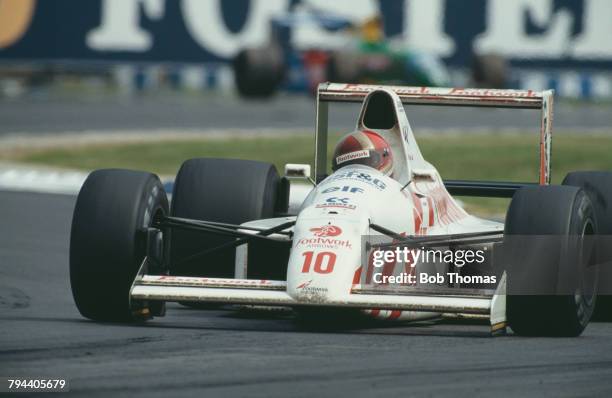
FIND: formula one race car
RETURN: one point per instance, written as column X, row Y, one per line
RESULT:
column 363, row 54
column 381, row 236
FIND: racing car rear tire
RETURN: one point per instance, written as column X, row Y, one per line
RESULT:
column 107, row 241
column 258, row 72
column 598, row 185
column 222, row 190
column 539, row 224
column 343, row 67
column 490, row 71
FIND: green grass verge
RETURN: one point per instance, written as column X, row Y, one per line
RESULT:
column 503, row 157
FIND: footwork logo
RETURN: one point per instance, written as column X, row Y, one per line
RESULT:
column 326, row 230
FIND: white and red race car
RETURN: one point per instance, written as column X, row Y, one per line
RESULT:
column 391, row 246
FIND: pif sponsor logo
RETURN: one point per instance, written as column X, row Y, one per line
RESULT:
column 326, row 230
column 345, row 188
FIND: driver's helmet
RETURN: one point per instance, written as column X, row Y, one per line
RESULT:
column 364, row 147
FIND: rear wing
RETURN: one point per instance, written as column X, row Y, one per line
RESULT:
column 471, row 97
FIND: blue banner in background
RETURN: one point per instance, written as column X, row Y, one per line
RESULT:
column 563, row 33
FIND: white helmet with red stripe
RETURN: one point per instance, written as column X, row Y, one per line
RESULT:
column 364, row 147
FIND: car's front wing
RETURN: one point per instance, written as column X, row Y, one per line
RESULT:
column 273, row 293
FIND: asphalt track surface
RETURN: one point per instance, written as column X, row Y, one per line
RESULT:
column 53, row 114
column 224, row 353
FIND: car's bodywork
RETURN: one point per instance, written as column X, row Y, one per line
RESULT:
column 357, row 209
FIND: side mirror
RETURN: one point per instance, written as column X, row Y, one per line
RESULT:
column 298, row 171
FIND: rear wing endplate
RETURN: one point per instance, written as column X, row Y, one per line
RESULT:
column 471, row 97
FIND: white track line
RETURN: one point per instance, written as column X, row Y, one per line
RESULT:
column 29, row 179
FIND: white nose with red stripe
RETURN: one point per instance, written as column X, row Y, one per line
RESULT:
column 327, row 244
column 325, row 254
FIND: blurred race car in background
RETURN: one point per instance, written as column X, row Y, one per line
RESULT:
column 359, row 53
column 231, row 238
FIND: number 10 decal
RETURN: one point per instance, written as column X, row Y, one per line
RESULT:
column 324, row 262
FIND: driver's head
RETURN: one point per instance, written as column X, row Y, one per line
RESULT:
column 364, row 147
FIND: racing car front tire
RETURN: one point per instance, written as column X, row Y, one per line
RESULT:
column 598, row 185
column 107, row 241
column 551, row 288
